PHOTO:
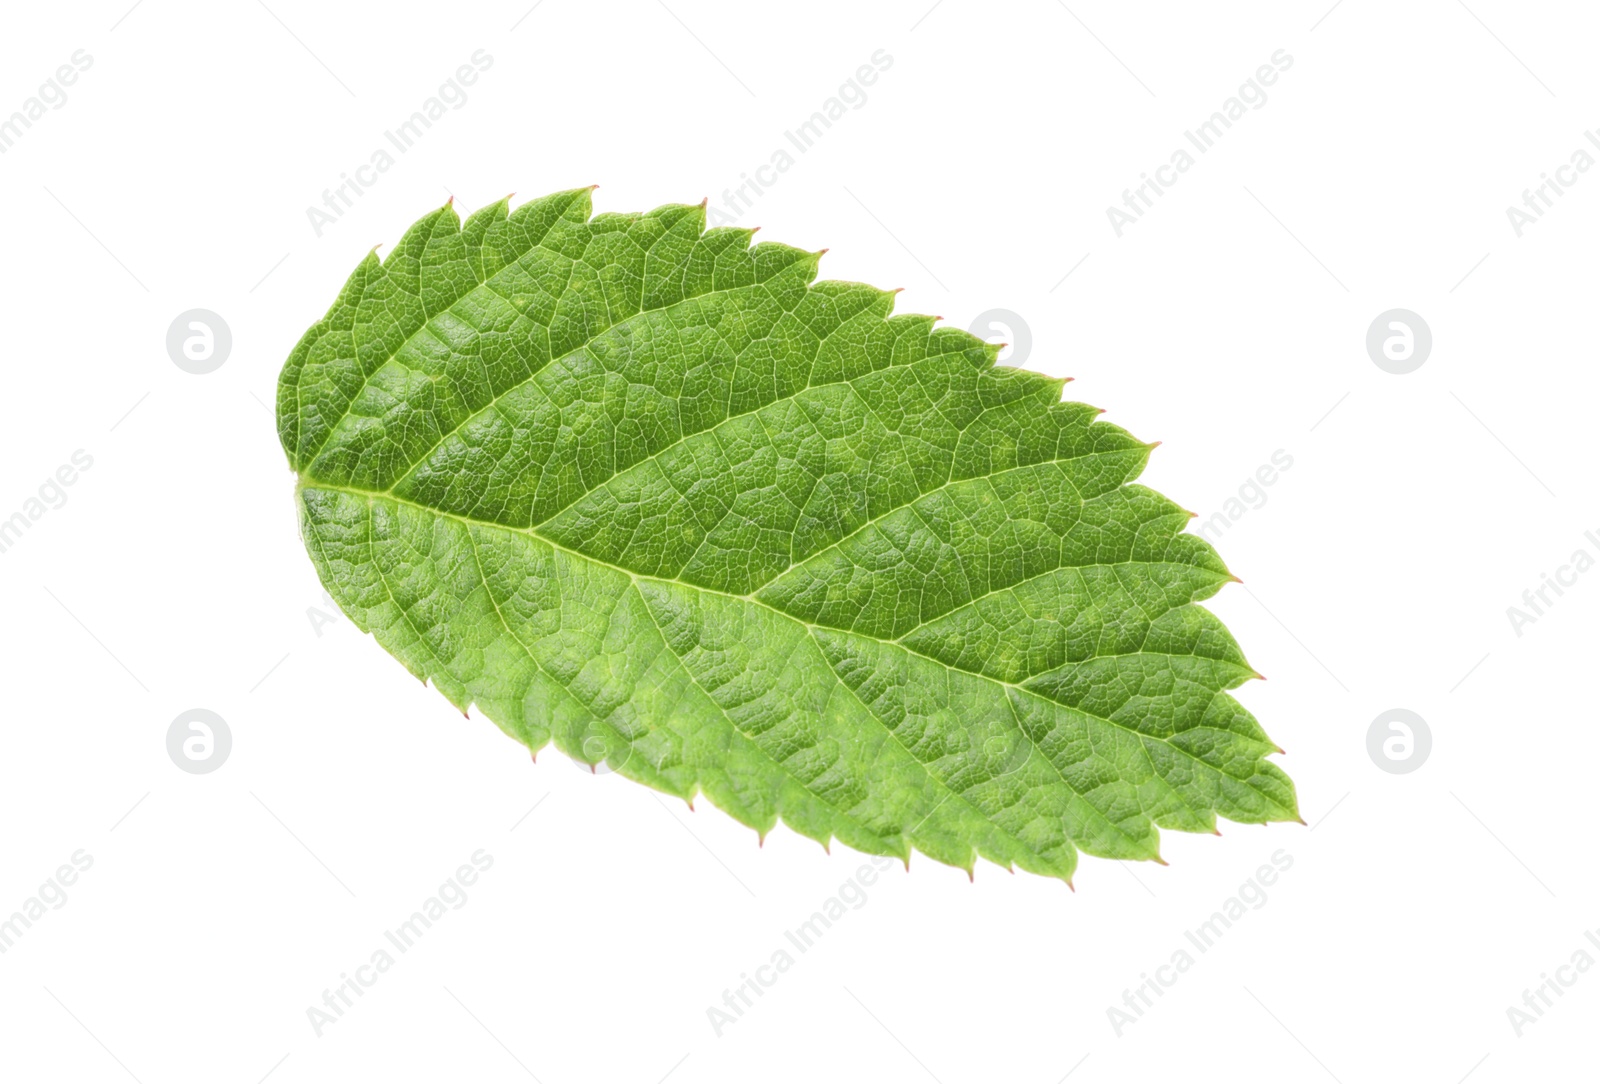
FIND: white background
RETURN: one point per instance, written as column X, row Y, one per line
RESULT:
column 1227, row 323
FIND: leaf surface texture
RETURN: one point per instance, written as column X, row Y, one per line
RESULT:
column 661, row 497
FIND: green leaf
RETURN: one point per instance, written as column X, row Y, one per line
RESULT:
column 644, row 490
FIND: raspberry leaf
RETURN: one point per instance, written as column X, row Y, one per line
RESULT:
column 659, row 496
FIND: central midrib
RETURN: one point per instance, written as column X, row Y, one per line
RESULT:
column 812, row 628
column 635, row 579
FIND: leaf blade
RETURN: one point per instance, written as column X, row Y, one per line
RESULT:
column 657, row 496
